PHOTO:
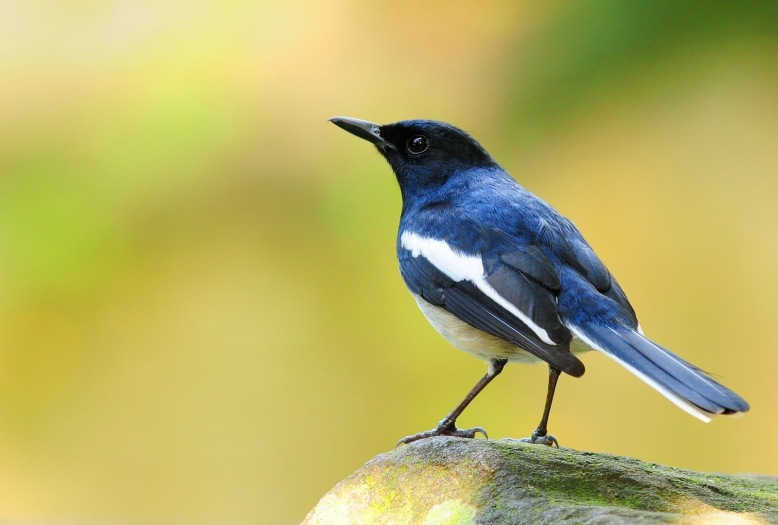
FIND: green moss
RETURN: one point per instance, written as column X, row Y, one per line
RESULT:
column 449, row 480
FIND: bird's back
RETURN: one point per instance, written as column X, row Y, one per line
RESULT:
column 492, row 199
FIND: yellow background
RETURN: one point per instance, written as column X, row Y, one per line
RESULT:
column 201, row 317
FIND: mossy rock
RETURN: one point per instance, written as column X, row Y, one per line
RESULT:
column 459, row 481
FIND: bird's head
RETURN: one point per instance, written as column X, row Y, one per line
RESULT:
column 424, row 154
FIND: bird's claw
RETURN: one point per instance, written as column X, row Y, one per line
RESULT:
column 470, row 432
column 545, row 439
column 444, row 429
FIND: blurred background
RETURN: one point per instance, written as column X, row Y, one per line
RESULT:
column 201, row 317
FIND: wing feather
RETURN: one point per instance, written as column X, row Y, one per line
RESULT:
column 508, row 291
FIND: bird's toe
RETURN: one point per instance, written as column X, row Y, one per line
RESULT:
column 447, row 429
column 545, row 439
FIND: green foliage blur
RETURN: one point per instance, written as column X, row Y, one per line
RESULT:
column 201, row 318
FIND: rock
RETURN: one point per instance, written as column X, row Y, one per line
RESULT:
column 459, row 481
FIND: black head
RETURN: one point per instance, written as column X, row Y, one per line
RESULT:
column 423, row 153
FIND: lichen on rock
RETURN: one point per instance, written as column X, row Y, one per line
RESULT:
column 446, row 480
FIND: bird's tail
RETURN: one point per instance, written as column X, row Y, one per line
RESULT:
column 691, row 389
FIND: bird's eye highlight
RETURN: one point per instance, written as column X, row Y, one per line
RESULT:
column 418, row 144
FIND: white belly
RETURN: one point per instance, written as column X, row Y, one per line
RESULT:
column 477, row 342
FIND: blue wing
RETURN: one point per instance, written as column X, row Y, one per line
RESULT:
column 507, row 289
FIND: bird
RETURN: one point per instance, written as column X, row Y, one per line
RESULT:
column 499, row 273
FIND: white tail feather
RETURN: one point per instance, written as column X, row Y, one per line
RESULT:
column 677, row 401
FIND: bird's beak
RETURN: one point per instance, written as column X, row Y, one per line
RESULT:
column 363, row 129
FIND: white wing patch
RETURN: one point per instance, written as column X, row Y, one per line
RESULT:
column 458, row 266
column 463, row 267
column 677, row 401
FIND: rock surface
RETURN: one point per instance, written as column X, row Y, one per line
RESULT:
column 458, row 481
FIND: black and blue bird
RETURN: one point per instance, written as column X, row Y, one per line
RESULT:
column 501, row 274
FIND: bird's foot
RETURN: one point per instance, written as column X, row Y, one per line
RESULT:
column 545, row 439
column 444, row 428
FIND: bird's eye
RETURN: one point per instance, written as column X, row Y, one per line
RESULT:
column 418, row 144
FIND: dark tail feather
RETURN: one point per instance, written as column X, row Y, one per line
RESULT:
column 681, row 382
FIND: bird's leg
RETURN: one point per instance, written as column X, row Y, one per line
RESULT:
column 541, row 435
column 447, row 425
